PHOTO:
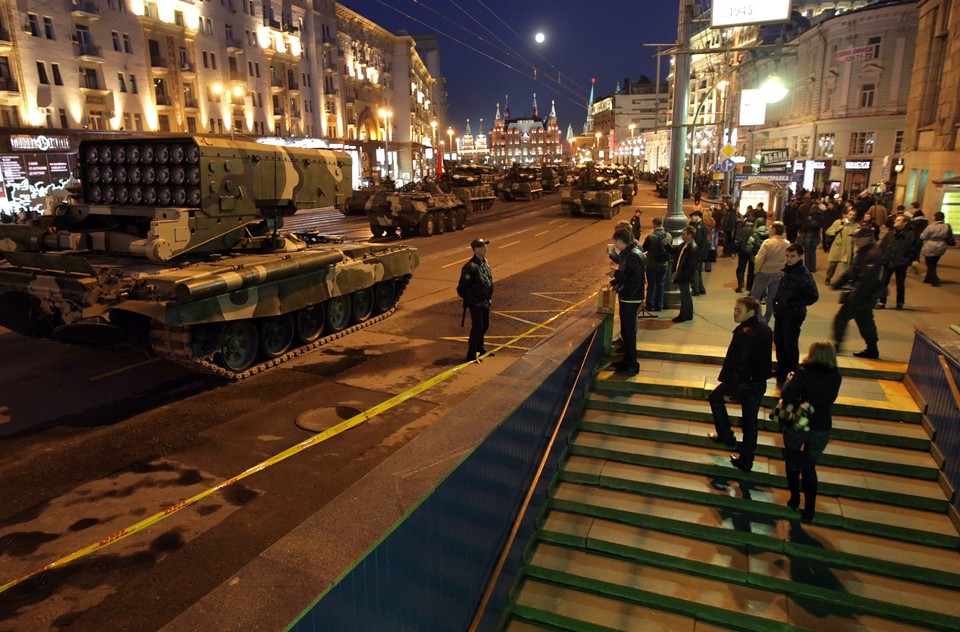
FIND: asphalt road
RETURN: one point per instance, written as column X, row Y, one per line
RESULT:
column 93, row 441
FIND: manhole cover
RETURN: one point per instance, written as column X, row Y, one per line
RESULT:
column 320, row 419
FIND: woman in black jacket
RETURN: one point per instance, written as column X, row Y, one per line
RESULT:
column 817, row 381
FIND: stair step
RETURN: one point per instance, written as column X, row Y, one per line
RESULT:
column 901, row 523
column 879, row 399
column 711, row 354
column 881, row 458
column 876, row 486
column 758, row 604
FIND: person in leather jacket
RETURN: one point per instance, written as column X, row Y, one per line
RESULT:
column 797, row 290
column 629, row 281
column 861, row 288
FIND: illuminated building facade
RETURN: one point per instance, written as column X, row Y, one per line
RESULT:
column 525, row 140
column 264, row 68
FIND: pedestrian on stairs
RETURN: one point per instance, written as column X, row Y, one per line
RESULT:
column 817, row 381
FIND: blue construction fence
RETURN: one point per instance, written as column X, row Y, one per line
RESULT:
column 430, row 571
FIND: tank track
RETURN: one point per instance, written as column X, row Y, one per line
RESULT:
column 174, row 345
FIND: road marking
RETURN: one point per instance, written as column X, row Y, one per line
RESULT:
column 543, row 233
column 562, row 225
column 528, row 322
column 554, row 221
column 512, row 243
column 316, row 439
column 457, row 262
column 126, row 368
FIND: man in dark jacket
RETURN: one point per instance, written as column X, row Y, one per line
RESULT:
column 743, row 378
column 898, row 249
column 796, row 292
column 656, row 248
column 700, row 239
column 684, row 273
column 628, row 281
column 861, row 286
column 476, row 288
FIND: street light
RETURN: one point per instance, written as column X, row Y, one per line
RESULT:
column 632, row 126
column 773, row 89
column 433, row 137
column 450, row 144
column 596, row 148
column 386, row 114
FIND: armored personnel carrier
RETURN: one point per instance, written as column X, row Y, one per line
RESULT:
column 356, row 204
column 175, row 244
column 593, row 192
column 423, row 210
column 549, row 179
column 520, row 183
column 473, row 184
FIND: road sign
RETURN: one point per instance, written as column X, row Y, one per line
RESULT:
column 718, row 167
column 728, row 151
column 728, row 165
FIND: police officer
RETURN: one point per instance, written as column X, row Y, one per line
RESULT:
column 861, row 286
column 476, row 281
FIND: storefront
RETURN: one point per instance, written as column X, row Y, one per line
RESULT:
column 856, row 176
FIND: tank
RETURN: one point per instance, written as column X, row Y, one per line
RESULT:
column 356, row 204
column 422, row 210
column 175, row 245
column 520, row 183
column 595, row 191
column 550, row 179
column 473, row 184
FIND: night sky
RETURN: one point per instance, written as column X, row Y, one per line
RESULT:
column 601, row 38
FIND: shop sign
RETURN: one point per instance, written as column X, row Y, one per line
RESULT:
column 39, row 143
column 857, row 165
column 741, row 12
column 847, row 55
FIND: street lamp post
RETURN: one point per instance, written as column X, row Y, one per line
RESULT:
column 450, row 139
column 433, row 138
column 633, row 160
column 386, row 114
column 596, row 148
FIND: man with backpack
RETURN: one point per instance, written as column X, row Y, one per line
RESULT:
column 657, row 248
column 476, row 290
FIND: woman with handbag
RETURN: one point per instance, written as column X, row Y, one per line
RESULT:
column 805, row 416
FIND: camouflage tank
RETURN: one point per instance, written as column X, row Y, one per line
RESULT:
column 425, row 211
column 473, row 184
column 595, row 191
column 356, row 204
column 174, row 244
column 550, row 179
column 520, row 183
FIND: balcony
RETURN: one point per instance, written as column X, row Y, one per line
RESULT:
column 276, row 85
column 191, row 103
column 9, row 85
column 6, row 42
column 158, row 65
column 88, row 52
column 164, row 99
column 234, row 45
column 293, row 86
column 295, row 114
column 274, row 24
column 85, row 9
column 278, row 111
column 188, row 69
column 288, row 27
column 329, row 42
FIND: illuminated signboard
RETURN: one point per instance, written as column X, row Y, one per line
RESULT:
column 39, row 143
column 857, row 165
column 740, row 12
column 753, row 107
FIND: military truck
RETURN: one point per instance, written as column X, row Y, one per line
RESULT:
column 423, row 210
column 175, row 244
column 473, row 184
column 595, row 191
column 520, row 183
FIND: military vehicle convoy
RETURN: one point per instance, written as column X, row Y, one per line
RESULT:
column 595, row 191
column 520, row 183
column 473, row 184
column 174, row 244
column 356, row 204
column 422, row 209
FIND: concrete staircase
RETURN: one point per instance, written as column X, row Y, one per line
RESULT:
column 649, row 527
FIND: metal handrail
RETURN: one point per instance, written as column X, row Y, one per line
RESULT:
column 495, row 575
column 954, row 391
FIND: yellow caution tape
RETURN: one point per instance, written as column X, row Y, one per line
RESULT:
column 329, row 433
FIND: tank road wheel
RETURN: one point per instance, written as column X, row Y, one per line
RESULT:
column 338, row 313
column 377, row 230
column 276, row 335
column 451, row 219
column 427, row 225
column 384, row 296
column 607, row 213
column 238, row 345
column 362, row 304
column 439, row 223
column 309, row 322
column 461, row 219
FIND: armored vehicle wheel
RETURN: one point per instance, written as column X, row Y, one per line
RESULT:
column 309, row 322
column 377, row 230
column 461, row 219
column 406, row 231
column 607, row 213
column 362, row 304
column 427, row 225
column 276, row 335
column 439, row 223
column 384, row 296
column 451, row 219
column 338, row 313
column 238, row 345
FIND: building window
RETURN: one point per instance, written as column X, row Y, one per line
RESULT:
column 138, row 122
column 42, row 72
column 213, row 61
column 133, row 85
column 64, row 121
column 191, row 125
column 116, row 41
column 57, row 78
column 867, row 93
column 48, row 28
column 95, row 120
column 127, row 121
column 825, row 145
column 206, row 59
column 33, row 24
column 861, row 143
column 163, row 123
column 250, row 68
column 122, row 82
column 90, row 79
column 127, row 46
column 874, row 42
column 898, row 143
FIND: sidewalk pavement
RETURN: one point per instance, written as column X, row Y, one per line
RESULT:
column 713, row 324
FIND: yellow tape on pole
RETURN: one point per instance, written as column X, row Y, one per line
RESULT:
column 329, row 433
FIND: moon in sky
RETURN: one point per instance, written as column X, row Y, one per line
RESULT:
column 539, row 37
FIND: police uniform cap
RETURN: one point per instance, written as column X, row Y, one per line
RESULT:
column 479, row 243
